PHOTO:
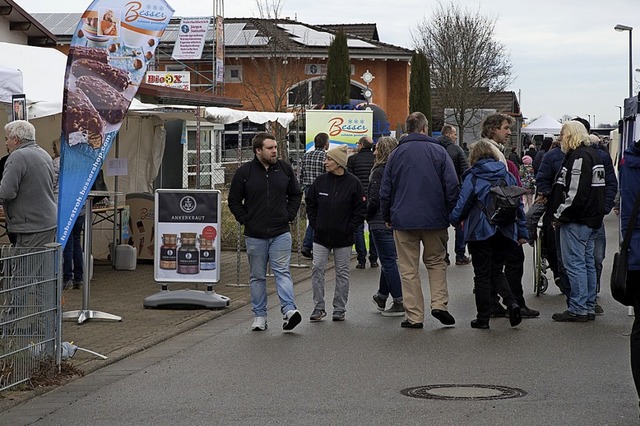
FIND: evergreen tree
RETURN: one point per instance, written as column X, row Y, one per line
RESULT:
column 420, row 87
column 338, row 81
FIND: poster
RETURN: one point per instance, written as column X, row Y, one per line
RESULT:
column 187, row 226
column 111, row 47
column 176, row 79
column 344, row 127
column 219, row 49
column 191, row 38
column 19, row 107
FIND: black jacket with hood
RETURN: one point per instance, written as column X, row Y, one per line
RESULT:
column 336, row 206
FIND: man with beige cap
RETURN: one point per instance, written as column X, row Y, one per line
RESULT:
column 336, row 206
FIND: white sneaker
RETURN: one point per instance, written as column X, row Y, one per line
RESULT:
column 291, row 319
column 259, row 324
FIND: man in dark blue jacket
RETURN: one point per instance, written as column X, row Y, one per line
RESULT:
column 265, row 197
column 419, row 189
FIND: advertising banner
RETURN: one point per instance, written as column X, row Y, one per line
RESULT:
column 187, row 225
column 110, row 49
column 219, row 49
column 176, row 79
column 344, row 127
column 191, row 37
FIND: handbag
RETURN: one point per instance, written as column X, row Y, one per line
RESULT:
column 619, row 289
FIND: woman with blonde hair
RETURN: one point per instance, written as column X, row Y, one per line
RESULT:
column 577, row 203
column 488, row 243
column 390, row 283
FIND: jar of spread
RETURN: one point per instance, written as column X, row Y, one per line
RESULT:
column 188, row 255
column 207, row 254
column 168, row 251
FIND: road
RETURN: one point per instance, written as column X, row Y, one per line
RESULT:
column 353, row 372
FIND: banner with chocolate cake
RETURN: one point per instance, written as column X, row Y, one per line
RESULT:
column 111, row 48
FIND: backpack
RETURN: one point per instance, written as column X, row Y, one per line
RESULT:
column 502, row 208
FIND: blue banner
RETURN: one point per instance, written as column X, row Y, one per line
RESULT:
column 111, row 47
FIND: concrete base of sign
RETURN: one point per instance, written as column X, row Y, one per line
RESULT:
column 186, row 299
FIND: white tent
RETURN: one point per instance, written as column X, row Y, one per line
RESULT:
column 10, row 83
column 543, row 124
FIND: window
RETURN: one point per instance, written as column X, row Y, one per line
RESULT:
column 175, row 67
column 311, row 92
column 233, row 73
column 208, row 165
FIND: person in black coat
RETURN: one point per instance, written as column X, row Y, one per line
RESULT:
column 390, row 283
column 265, row 197
column 336, row 207
column 447, row 140
column 360, row 165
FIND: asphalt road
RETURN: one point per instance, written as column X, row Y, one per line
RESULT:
column 353, row 372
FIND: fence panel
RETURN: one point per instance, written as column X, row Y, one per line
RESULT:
column 30, row 311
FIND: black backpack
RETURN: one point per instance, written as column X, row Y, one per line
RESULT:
column 504, row 202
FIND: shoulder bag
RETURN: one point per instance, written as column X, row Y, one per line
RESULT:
column 620, row 291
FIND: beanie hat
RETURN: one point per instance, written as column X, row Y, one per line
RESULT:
column 339, row 155
column 526, row 159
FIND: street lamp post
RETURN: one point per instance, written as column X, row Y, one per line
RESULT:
column 621, row 28
column 619, row 108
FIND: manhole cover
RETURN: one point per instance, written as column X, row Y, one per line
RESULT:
column 463, row 392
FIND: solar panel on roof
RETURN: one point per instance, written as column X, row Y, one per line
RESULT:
column 311, row 37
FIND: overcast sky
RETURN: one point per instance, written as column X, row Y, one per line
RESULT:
column 566, row 56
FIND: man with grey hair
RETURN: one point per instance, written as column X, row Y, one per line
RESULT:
column 448, row 141
column 419, row 190
column 26, row 189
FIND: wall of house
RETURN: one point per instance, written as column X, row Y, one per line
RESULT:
column 390, row 86
column 8, row 36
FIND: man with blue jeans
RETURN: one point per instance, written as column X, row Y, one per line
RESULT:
column 265, row 197
column 448, row 141
column 578, row 206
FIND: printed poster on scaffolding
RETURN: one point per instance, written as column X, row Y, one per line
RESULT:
column 187, row 222
column 111, row 48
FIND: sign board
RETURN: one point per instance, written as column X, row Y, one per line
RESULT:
column 344, row 127
column 19, row 107
column 175, row 79
column 191, row 37
column 188, row 227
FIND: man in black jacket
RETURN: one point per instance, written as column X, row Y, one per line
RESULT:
column 360, row 165
column 265, row 197
column 447, row 140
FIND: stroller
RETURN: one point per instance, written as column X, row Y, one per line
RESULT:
column 536, row 227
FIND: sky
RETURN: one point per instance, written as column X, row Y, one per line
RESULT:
column 567, row 59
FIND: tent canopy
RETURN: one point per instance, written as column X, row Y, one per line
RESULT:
column 10, row 83
column 544, row 124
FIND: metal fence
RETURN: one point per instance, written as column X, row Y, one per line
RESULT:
column 30, row 311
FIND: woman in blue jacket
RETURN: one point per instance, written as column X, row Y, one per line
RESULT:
column 488, row 244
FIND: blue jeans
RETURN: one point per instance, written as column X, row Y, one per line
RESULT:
column 361, row 248
column 599, row 248
column 389, row 276
column 277, row 251
column 459, row 242
column 577, row 242
column 72, row 254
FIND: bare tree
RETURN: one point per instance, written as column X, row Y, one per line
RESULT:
column 275, row 70
column 467, row 63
